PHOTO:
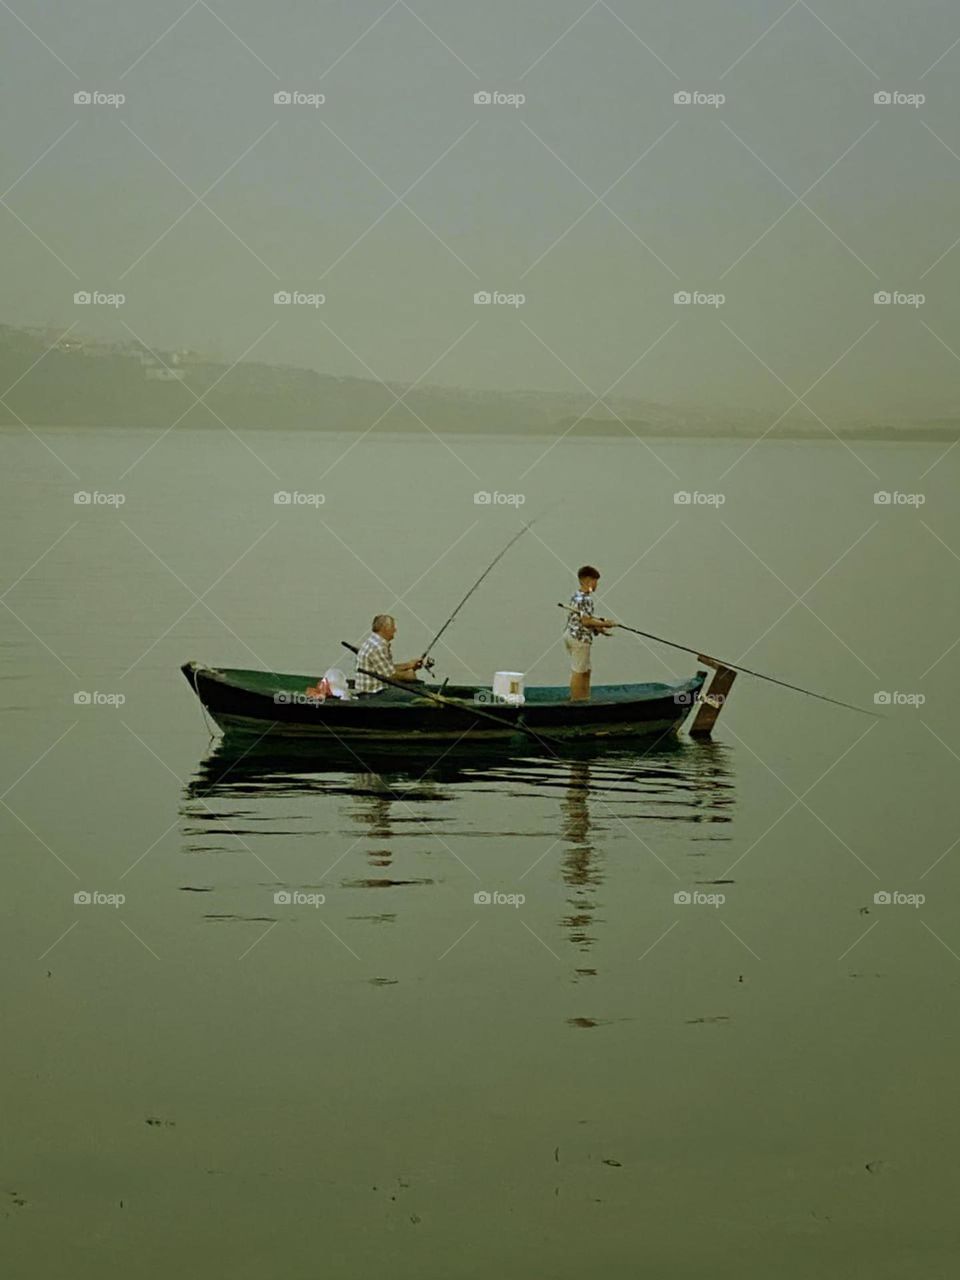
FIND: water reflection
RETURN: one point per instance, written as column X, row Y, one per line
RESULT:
column 378, row 808
column 687, row 782
column 677, row 781
column 581, row 868
column 233, row 768
column 372, row 812
column 595, row 796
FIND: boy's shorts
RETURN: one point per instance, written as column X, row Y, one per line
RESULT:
column 579, row 651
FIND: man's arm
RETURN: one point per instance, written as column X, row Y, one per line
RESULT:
column 407, row 670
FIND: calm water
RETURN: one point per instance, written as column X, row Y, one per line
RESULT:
column 400, row 1081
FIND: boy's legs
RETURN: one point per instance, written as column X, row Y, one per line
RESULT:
column 579, row 651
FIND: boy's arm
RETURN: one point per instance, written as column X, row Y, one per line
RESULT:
column 590, row 621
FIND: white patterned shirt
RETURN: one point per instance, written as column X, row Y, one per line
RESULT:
column 374, row 655
column 582, row 602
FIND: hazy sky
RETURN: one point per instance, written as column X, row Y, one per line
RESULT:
column 501, row 194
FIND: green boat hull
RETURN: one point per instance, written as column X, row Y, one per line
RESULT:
column 275, row 705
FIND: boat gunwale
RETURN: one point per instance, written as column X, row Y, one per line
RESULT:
column 416, row 699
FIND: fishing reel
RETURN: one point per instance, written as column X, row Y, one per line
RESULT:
column 428, row 664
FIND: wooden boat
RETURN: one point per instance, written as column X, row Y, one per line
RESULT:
column 275, row 704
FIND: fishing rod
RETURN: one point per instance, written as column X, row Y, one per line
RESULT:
column 732, row 666
column 497, row 558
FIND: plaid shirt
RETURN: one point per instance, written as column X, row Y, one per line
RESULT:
column 582, row 601
column 375, row 656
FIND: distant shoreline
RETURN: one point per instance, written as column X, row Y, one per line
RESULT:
column 918, row 435
column 77, row 382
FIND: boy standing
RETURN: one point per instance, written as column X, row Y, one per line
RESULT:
column 581, row 628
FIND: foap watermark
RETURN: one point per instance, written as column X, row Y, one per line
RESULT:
column 484, row 898
column 893, row 298
column 696, row 98
column 297, row 98
column 895, row 698
column 488, row 698
column 294, row 298
column 895, row 98
column 688, row 699
column 294, row 698
column 94, row 898
column 894, row 498
column 694, row 898
column 484, row 498
column 294, row 498
column 495, row 98
column 486, row 298
column 84, row 498
column 695, row 298
column 688, row 498
column 83, row 698
column 883, row 898
column 297, row 898
column 97, row 98
column 96, row 298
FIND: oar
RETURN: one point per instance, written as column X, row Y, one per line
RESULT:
column 732, row 666
column 457, row 703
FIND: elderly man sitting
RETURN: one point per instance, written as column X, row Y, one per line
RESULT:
column 376, row 657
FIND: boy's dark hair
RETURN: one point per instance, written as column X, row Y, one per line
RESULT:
column 587, row 571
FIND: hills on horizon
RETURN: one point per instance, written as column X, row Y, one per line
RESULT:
column 77, row 381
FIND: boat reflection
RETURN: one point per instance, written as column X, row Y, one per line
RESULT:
column 232, row 768
column 678, row 779
column 384, row 799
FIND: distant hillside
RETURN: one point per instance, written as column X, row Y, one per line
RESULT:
column 943, row 429
column 86, row 382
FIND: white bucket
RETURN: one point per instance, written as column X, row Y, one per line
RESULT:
column 508, row 687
